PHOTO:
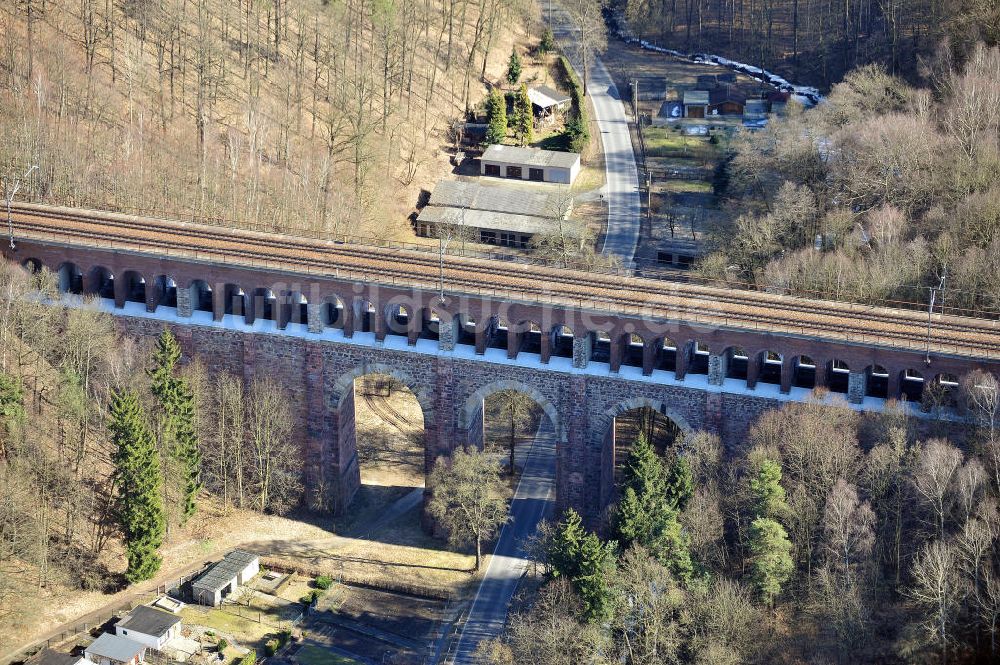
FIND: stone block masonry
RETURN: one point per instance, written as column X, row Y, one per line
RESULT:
column 317, row 376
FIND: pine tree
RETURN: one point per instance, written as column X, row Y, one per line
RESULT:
column 647, row 513
column 523, row 117
column 766, row 490
column 548, row 42
column 771, row 559
column 175, row 422
column 592, row 581
column 585, row 561
column 680, row 483
column 563, row 551
column 137, row 480
column 496, row 118
column 514, row 67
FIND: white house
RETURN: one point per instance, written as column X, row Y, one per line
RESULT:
column 150, row 627
column 508, row 161
column 224, row 577
column 111, row 649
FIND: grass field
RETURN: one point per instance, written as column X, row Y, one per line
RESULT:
column 665, row 142
column 314, row 655
column 685, row 186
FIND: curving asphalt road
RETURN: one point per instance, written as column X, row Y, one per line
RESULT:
column 622, row 189
column 532, row 501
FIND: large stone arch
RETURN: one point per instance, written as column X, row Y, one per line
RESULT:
column 347, row 467
column 604, row 432
column 471, row 417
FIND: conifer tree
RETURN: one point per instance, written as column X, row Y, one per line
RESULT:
column 563, row 551
column 496, row 118
column 680, row 483
column 771, row 563
column 647, row 513
column 137, row 481
column 593, row 578
column 175, row 421
column 766, row 490
column 514, row 67
column 523, row 117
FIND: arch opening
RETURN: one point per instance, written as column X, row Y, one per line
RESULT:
column 511, row 421
column 837, row 376
column 397, row 319
column 102, row 283
column 466, row 327
column 877, row 382
column 32, row 265
column 430, row 327
column 698, row 353
column 562, row 342
column 769, row 367
column 659, row 429
column 600, row 350
column 295, row 309
column 530, row 337
column 737, row 363
column 364, row 316
column 236, row 301
column 70, row 279
column 911, row 385
column 804, row 372
column 166, row 288
column 263, row 305
column 633, row 349
column 332, row 313
column 135, row 287
column 499, row 333
column 201, row 296
column 667, row 355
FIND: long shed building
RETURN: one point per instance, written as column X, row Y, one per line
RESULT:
column 223, row 578
column 516, row 163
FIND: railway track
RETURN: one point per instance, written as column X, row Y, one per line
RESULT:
column 388, row 415
column 470, row 276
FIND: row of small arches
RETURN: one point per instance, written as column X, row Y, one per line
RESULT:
column 658, row 354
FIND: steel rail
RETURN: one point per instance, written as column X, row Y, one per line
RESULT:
column 546, row 285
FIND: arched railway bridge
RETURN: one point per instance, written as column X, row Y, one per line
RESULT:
column 587, row 347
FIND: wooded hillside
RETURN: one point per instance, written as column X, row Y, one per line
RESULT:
column 316, row 113
column 815, row 42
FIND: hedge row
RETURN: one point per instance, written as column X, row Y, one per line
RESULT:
column 577, row 132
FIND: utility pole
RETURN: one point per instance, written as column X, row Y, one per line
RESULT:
column 9, row 194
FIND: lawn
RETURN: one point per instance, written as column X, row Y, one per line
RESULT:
column 665, row 142
column 686, row 186
column 314, row 655
column 247, row 625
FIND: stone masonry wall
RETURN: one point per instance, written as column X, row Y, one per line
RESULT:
column 316, row 375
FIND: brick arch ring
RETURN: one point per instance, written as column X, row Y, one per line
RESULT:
column 344, row 382
column 608, row 419
column 476, row 400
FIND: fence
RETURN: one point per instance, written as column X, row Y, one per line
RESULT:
column 96, row 620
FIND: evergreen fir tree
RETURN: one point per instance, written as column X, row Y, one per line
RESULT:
column 768, row 494
column 548, row 42
column 496, row 118
column 514, row 67
column 523, row 117
column 771, row 563
column 187, row 452
column 137, row 480
column 175, row 420
column 647, row 513
column 680, row 483
column 563, row 551
column 593, row 579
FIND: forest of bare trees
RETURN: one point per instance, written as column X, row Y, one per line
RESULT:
column 59, row 370
column 885, row 191
column 881, row 547
column 816, row 42
column 302, row 113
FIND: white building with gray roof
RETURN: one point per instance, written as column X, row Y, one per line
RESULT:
column 535, row 164
column 223, row 578
column 149, row 626
column 111, row 649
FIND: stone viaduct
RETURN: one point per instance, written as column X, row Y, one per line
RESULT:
column 316, row 333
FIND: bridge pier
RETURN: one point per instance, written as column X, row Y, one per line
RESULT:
column 718, row 367
column 857, row 387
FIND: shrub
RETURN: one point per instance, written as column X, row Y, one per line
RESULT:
column 250, row 658
column 283, row 637
column 272, row 646
column 221, row 645
column 324, row 582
